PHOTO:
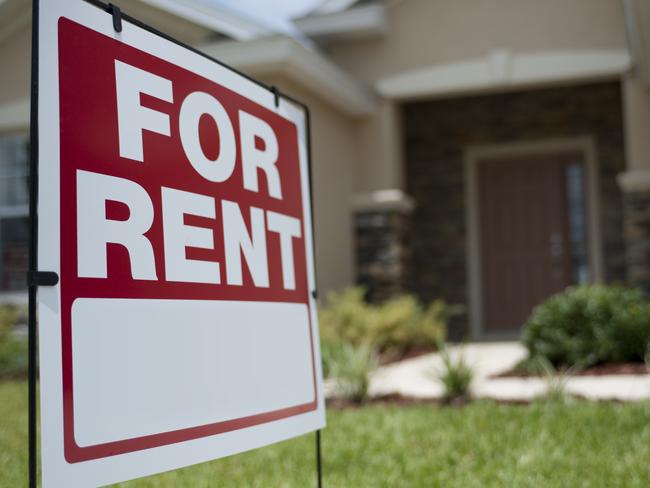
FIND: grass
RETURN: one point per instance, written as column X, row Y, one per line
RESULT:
column 548, row 444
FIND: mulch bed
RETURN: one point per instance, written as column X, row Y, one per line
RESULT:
column 414, row 352
column 396, row 400
column 392, row 400
column 600, row 370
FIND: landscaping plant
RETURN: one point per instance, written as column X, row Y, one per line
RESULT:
column 456, row 375
column 351, row 368
column 13, row 349
column 589, row 325
column 392, row 327
column 556, row 380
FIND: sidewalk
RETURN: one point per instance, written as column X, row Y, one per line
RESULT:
column 417, row 377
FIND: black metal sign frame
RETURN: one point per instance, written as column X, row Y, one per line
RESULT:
column 37, row 278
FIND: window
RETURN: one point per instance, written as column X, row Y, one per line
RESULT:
column 14, row 210
column 575, row 185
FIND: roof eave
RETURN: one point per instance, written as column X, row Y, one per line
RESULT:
column 306, row 67
column 213, row 17
column 364, row 22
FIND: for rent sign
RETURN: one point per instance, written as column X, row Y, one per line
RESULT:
column 174, row 204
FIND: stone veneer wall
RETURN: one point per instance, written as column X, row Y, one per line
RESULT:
column 381, row 252
column 637, row 235
column 436, row 134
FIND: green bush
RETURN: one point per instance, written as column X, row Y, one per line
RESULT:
column 13, row 350
column 351, row 368
column 395, row 326
column 589, row 325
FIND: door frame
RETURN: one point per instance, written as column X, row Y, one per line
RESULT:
column 475, row 155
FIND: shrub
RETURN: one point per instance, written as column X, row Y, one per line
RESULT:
column 588, row 325
column 345, row 318
column 13, row 350
column 456, row 376
column 394, row 326
column 351, row 368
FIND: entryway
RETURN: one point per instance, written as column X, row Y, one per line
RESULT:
column 532, row 232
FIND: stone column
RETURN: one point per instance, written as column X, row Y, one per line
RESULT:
column 636, row 208
column 381, row 229
column 635, row 182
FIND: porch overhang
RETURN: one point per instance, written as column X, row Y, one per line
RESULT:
column 502, row 70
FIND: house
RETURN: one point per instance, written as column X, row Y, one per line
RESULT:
column 489, row 152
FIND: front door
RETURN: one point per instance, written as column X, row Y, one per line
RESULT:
column 532, row 233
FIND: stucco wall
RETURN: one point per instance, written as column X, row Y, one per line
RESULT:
column 426, row 32
column 379, row 165
column 334, row 153
column 422, row 33
column 15, row 56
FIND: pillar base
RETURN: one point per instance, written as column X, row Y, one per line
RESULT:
column 636, row 214
column 381, row 226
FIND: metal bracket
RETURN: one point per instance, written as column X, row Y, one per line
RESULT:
column 314, row 294
column 115, row 11
column 42, row 278
column 276, row 94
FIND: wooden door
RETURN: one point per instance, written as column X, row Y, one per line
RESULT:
column 523, row 236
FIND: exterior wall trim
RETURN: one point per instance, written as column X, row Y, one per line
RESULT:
column 634, row 180
column 472, row 157
column 637, row 16
column 363, row 22
column 383, row 200
column 502, row 70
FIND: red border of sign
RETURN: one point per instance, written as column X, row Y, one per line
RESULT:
column 74, row 453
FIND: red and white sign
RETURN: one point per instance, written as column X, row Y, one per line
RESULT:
column 174, row 204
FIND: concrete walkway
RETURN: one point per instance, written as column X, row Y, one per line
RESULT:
column 417, row 377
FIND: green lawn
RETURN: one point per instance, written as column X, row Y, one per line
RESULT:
column 483, row 444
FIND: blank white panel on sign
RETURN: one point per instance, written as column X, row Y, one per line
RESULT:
column 118, row 394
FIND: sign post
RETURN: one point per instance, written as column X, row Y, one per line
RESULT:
column 177, row 317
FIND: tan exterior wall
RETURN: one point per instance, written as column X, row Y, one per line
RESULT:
column 380, row 150
column 334, row 153
column 426, row 32
column 363, row 155
column 15, row 56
